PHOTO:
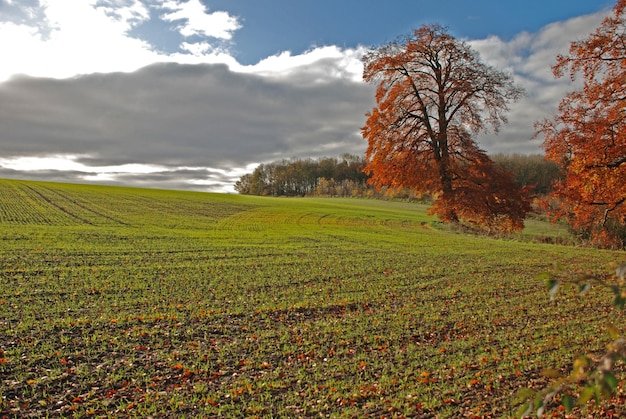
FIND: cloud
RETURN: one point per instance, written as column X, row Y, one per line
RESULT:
column 66, row 168
column 194, row 19
column 116, row 110
column 95, row 99
column 65, row 38
column 61, row 45
column 317, row 64
column 529, row 58
column 177, row 115
column 73, row 37
column 128, row 12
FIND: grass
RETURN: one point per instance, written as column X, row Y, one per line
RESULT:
column 120, row 302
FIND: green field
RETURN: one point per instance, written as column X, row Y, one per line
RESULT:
column 120, row 302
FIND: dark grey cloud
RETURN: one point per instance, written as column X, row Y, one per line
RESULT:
column 177, row 179
column 199, row 125
column 46, row 175
column 177, row 115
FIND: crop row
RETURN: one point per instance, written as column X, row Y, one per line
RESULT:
column 284, row 308
column 41, row 203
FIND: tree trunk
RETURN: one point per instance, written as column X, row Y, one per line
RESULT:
column 444, row 171
column 448, row 191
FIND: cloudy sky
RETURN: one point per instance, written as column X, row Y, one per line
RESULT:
column 191, row 94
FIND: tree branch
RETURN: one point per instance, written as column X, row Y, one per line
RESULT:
column 612, row 165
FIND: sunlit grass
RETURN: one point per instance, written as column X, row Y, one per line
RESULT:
column 133, row 302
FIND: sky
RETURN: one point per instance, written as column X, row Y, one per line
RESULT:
column 192, row 94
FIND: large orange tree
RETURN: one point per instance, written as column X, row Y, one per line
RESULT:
column 433, row 96
column 587, row 137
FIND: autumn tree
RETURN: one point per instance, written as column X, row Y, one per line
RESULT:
column 434, row 95
column 587, row 137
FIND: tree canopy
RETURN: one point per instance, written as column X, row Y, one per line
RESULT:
column 344, row 177
column 298, row 177
column 587, row 137
column 433, row 96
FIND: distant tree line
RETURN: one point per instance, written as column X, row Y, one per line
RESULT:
column 297, row 177
column 530, row 170
column 344, row 177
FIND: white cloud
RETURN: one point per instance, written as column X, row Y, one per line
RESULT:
column 343, row 63
column 93, row 36
column 130, row 12
column 532, row 55
column 76, row 37
column 529, row 58
column 69, row 163
column 197, row 49
column 216, row 180
column 196, row 20
column 88, row 36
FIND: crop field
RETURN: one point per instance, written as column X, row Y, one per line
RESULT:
column 121, row 302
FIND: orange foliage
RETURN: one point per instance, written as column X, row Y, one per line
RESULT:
column 587, row 138
column 486, row 196
column 434, row 94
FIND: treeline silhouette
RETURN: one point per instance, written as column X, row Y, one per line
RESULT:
column 344, row 177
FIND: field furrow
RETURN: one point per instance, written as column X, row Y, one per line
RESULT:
column 20, row 204
column 119, row 302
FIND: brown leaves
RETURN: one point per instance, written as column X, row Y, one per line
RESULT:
column 433, row 95
column 485, row 195
column 588, row 136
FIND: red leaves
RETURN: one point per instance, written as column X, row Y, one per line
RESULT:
column 215, row 375
column 485, row 196
column 243, row 363
column 433, row 95
column 588, row 136
column 426, row 378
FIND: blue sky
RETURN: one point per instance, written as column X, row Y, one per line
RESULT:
column 272, row 26
column 191, row 94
